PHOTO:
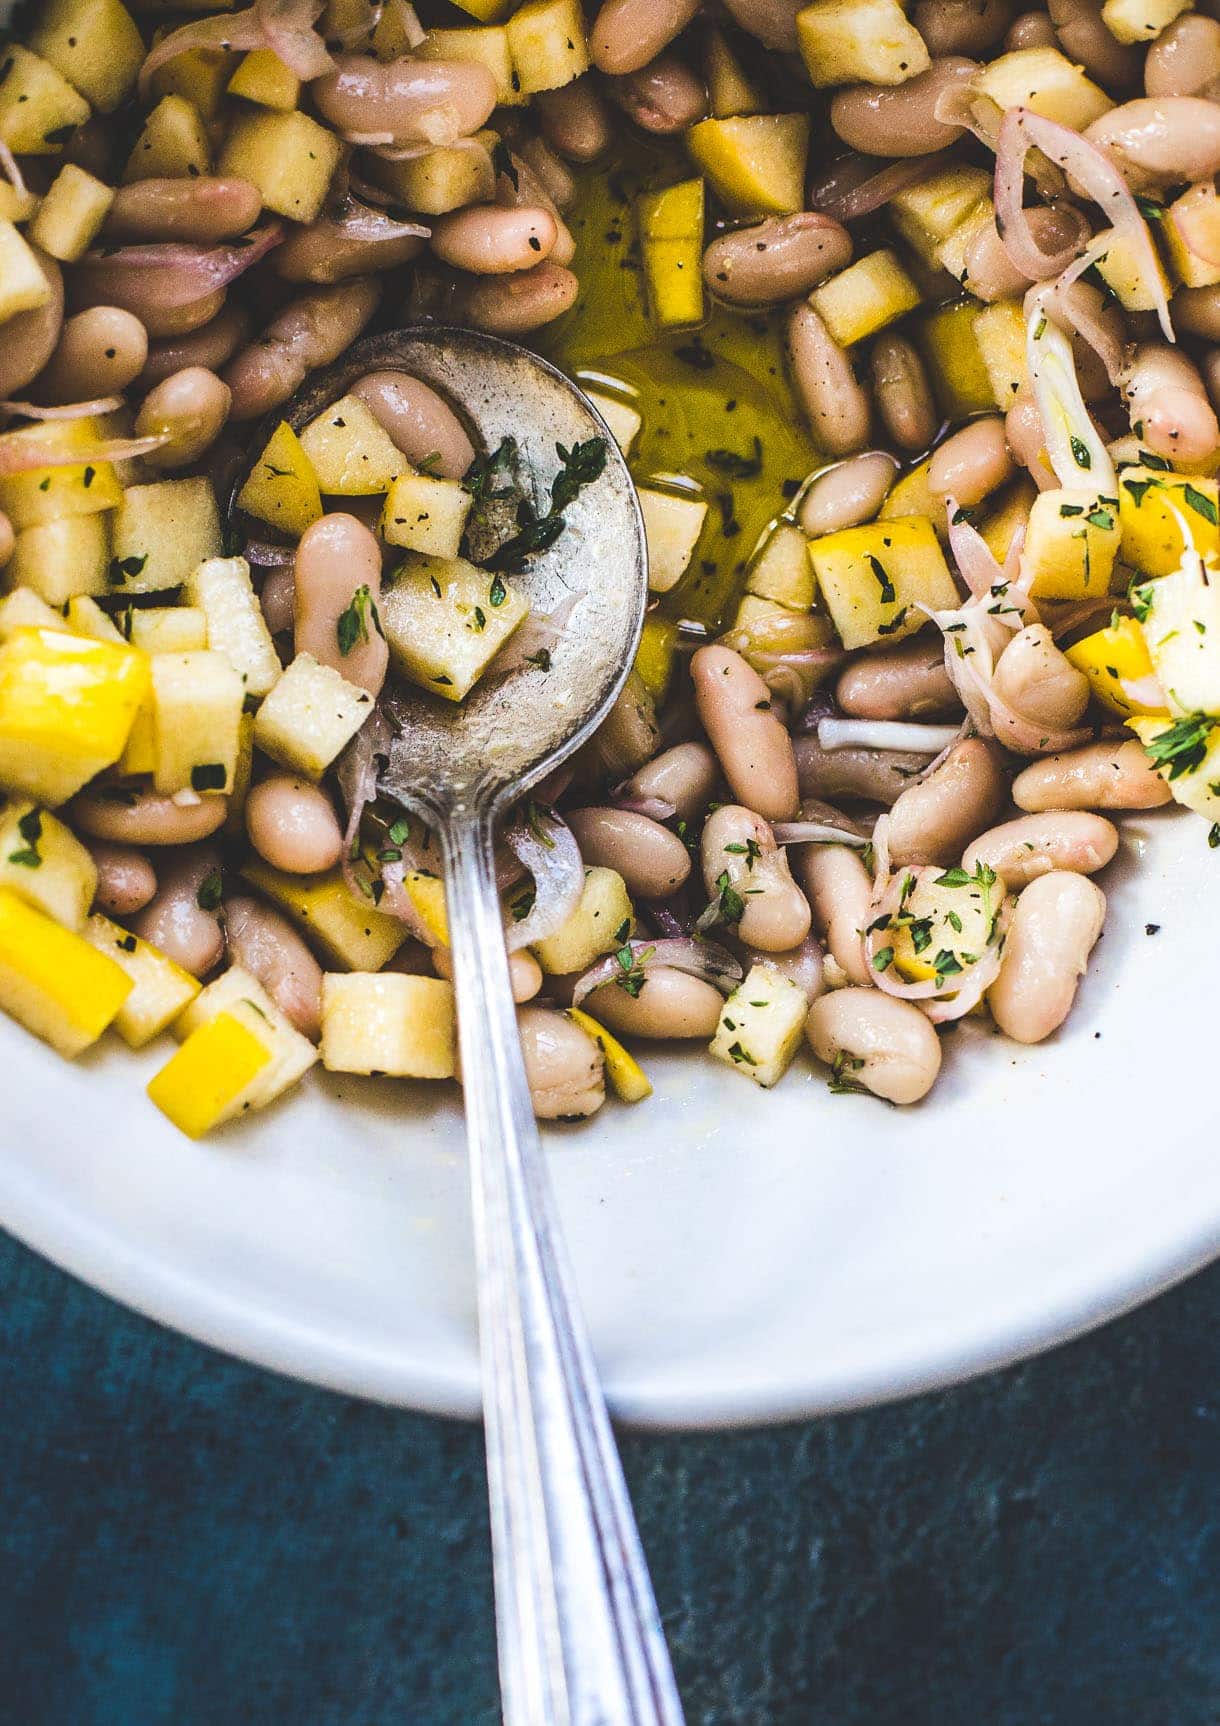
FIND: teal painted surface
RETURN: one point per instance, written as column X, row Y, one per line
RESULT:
column 186, row 1541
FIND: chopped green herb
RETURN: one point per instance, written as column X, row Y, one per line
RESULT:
column 732, row 905
column 210, row 890
column 1080, row 452
column 888, row 595
column 1200, row 503
column 741, row 1055
column 209, row 776
column 883, row 959
column 30, row 828
column 728, row 462
column 352, row 625
column 1182, row 746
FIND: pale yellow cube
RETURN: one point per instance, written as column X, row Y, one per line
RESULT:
column 672, row 525
column 875, row 581
column 426, row 514
column 1195, row 215
column 59, row 560
column 1071, row 542
column 1000, row 332
column 22, row 283
column 349, row 933
column 70, row 217
column 162, row 532
column 546, row 39
column 85, row 617
column 1046, row 81
column 312, row 713
column 44, row 862
column 39, row 109
column 782, row 570
column 44, row 494
column 263, row 77
column 622, row 420
column 761, row 1026
column 197, row 706
column 859, row 41
column 222, row 589
column 927, row 213
column 289, row 157
column 445, row 620
column 349, row 452
column 173, row 145
column 166, row 628
column 160, row 989
column 754, row 163
column 1141, row 20
column 95, row 44
column 864, row 298
column 447, row 178
column 22, row 609
column 602, row 920
column 388, row 1024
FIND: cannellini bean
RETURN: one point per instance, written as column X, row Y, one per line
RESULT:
column 1185, row 59
column 866, row 775
column 772, row 21
column 8, row 540
column 840, row 893
column 200, row 211
column 563, row 1065
column 776, row 260
column 100, row 352
column 1099, row 776
column 990, row 273
column 627, row 34
column 278, row 598
column 961, row 26
column 751, row 744
column 972, row 463
column 30, row 338
column 126, row 880
column 191, row 406
column 145, row 817
column 1032, row 845
column 933, row 820
column 1030, row 30
column 530, row 192
column 903, row 393
column 415, row 101
column 904, row 682
column 827, row 388
column 803, row 965
column 292, row 825
column 1026, row 439
column 524, row 971
column 1084, row 37
column 356, row 241
column 1054, row 928
column 873, row 1040
column 336, row 557
column 738, row 843
column 418, row 421
column 684, row 776
column 900, row 120
column 1168, row 404
column 309, row 332
column 1196, row 312
column 1039, row 682
column 264, row 943
column 575, row 120
column 519, row 304
column 664, row 97
column 174, row 922
column 847, row 494
column 548, row 171
column 212, row 346
column 670, row 1004
column 1161, row 140
column 162, row 309
column 652, row 861
column 489, row 241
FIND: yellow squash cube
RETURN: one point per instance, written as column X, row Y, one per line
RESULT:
column 387, row 1024
column 61, row 559
column 349, row 453
column 939, row 916
column 445, row 621
column 874, row 579
column 956, row 370
column 222, row 590
column 289, row 157
column 236, row 991
column 859, row 41
column 1198, row 787
column 160, row 990
column 864, row 298
column 654, row 657
column 755, row 164
column 161, row 532
column 39, row 109
column 70, row 217
column 999, row 333
column 440, row 180
column 1141, row 20
column 631, row 1083
column 1152, row 503
column 197, row 710
column 352, row 935
column 546, row 39
column 199, row 76
column 1180, row 614
column 426, row 515
column 214, row 1075
column 761, row 1026
column 94, row 44
column 672, row 525
column 52, row 981
column 1046, row 81
column 44, row 862
column 312, row 713
column 1114, row 659
column 602, row 920
column 670, row 226
column 912, row 495
column 427, row 894
column 282, row 488
column 263, row 77
column 1071, row 542
column 173, row 145
column 731, row 90
column 66, row 707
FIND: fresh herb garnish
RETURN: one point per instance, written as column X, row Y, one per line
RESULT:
column 732, row 907
column 888, row 595
column 1182, row 747
column 30, row 828
column 210, row 889
column 734, row 466
column 1200, row 503
column 582, row 464
column 631, row 973
column 352, row 625
column 1080, row 452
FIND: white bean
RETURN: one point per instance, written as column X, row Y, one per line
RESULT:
column 264, row 943
column 670, row 1004
column 871, row 1039
column 752, row 746
column 563, row 1065
column 1032, row 845
column 1055, row 927
column 840, row 892
column 740, row 858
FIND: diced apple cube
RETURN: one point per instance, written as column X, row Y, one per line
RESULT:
column 282, row 488
column 197, row 707
column 349, row 452
column 875, row 581
column 222, row 589
column 22, row 609
column 39, row 109
column 782, row 571
column 71, row 215
column 601, row 922
column 94, row 44
column 755, row 163
column 162, row 532
column 426, row 515
column 1046, row 81
column 46, row 863
column 166, row 628
column 173, row 145
column 672, row 525
column 22, row 283
column 355, row 936
column 546, row 39
column 622, row 419
column 263, row 77
column 859, row 41
column 445, row 620
column 310, row 715
column 161, row 990
column 389, row 1024
column 761, row 1025
column 289, row 157
column 1071, row 542
column 864, row 298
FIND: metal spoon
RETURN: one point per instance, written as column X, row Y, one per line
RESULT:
column 580, row 1641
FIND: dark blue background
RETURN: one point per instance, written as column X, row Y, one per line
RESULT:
column 187, row 1541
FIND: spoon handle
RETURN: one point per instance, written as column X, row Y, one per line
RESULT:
column 580, row 1640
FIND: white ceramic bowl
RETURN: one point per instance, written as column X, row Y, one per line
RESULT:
column 743, row 1256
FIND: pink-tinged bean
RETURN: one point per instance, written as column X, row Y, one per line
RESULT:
column 1099, row 776
column 1053, row 930
column 293, row 826
column 870, row 1039
column 847, row 494
column 418, row 421
column 488, row 241
column 531, row 193
column 1185, row 59
column 264, row 943
column 174, row 922
column 191, row 408
column 629, row 734
column 356, row 240
column 278, row 598
column 8, row 540
column 415, row 101
column 126, row 880
column 563, row 1065
column 738, row 847
column 652, row 861
column 803, row 965
column 336, row 557
column 772, row 21
column 1085, row 38
column 1168, row 404
column 575, row 120
column 840, row 893
column 627, row 34
column 524, row 971
column 1162, row 140
column 972, row 463
column 163, row 309
column 664, row 97
column 827, row 388
column 1032, row 845
column 518, row 305
column 309, row 332
column 902, row 392
column 1027, row 441
column 900, row 120
column 854, row 773
column 904, row 682
column 1196, row 312
column 684, row 776
column 972, row 27
column 752, row 746
column 100, row 353
column 990, row 273
column 932, row 821
column 669, row 1006
column 212, row 346
column 200, row 211
column 545, row 169
column 1039, row 682
column 776, row 260
column 1030, row 30
column 29, row 338
column 145, row 817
